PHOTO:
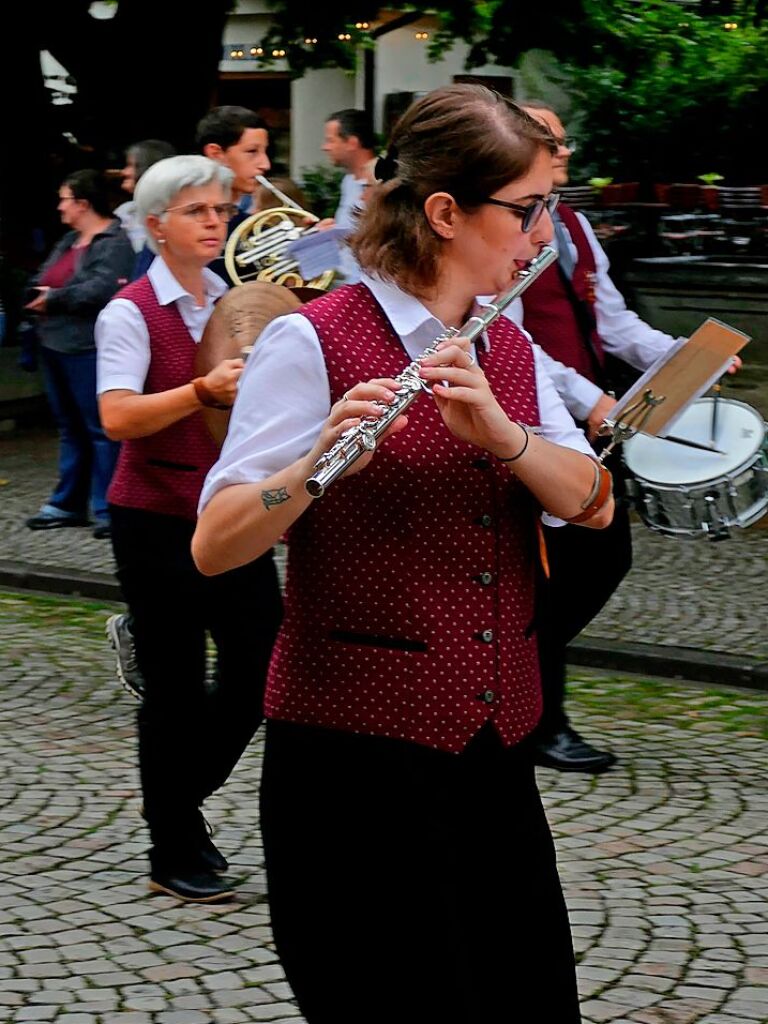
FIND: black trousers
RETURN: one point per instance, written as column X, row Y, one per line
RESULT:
column 586, row 567
column 413, row 885
column 191, row 736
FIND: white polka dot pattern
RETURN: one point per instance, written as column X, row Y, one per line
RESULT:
column 410, row 585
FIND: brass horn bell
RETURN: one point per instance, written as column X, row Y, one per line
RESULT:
column 255, row 251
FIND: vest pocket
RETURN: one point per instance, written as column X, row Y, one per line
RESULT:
column 390, row 643
column 182, row 467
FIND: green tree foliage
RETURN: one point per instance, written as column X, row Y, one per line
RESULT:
column 670, row 91
column 313, row 35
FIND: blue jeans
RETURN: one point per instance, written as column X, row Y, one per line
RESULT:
column 86, row 455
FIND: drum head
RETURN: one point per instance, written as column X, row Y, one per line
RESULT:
column 235, row 324
column 740, row 434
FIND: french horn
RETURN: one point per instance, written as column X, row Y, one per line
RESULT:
column 255, row 251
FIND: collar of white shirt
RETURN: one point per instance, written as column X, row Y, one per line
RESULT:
column 409, row 318
column 168, row 290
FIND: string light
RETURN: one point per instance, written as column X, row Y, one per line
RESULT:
column 278, row 53
column 344, row 37
column 422, row 35
column 361, row 25
column 256, row 51
column 310, row 42
column 729, row 26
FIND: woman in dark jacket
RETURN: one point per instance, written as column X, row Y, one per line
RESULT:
column 84, row 270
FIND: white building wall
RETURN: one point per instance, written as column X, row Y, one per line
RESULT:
column 402, row 65
column 313, row 98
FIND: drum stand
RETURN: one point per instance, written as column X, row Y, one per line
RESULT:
column 633, row 419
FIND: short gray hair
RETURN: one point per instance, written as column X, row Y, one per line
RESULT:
column 159, row 186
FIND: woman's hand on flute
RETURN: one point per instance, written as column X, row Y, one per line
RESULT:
column 358, row 403
column 468, row 406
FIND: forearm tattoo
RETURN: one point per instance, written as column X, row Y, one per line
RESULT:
column 276, row 497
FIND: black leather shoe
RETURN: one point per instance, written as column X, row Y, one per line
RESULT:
column 44, row 521
column 210, row 858
column 568, row 752
column 191, row 885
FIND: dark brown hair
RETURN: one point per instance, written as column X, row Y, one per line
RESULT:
column 466, row 140
column 90, row 186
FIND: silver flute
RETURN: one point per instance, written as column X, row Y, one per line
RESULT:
column 363, row 438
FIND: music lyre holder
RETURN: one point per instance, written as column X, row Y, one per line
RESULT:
column 632, row 421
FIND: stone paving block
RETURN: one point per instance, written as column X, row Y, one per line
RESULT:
column 132, row 1017
column 240, row 997
column 43, row 971
column 191, row 1001
column 225, row 980
column 600, row 1010
column 746, row 1011
column 182, row 1017
column 170, row 972
column 273, row 1011
column 229, row 1015
column 50, row 997
column 258, row 975
column 279, row 990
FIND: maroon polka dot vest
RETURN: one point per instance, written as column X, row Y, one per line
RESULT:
column 165, row 471
column 560, row 314
column 409, row 602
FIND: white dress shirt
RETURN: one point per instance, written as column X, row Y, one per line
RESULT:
column 132, row 226
column 623, row 333
column 284, row 397
column 350, row 200
column 122, row 336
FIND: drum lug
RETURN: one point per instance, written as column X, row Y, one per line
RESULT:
column 716, row 528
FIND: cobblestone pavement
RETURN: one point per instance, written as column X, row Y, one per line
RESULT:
column 687, row 593
column 664, row 860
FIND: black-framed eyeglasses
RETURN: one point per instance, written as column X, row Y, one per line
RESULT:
column 530, row 214
column 199, row 211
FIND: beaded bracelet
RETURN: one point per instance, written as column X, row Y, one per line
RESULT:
column 514, row 458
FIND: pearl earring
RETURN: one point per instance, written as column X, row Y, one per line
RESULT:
column 161, row 241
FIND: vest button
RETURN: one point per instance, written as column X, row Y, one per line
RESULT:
column 486, row 636
column 481, row 464
column 489, row 696
column 486, row 578
column 485, row 521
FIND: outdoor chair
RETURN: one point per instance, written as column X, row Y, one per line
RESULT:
column 685, row 198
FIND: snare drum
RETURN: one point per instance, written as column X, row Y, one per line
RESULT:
column 687, row 492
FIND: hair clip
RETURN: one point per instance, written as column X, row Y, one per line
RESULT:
column 387, row 166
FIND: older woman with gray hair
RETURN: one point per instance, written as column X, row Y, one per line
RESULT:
column 138, row 158
column 190, row 737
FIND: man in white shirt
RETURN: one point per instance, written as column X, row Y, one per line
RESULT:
column 349, row 143
column 579, row 318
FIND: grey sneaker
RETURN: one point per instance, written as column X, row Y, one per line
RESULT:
column 120, row 636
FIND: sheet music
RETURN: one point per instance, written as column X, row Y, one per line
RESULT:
column 318, row 252
column 683, row 374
